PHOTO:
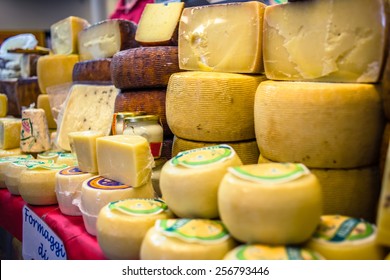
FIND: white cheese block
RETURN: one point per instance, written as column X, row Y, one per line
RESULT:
column 34, row 135
column 10, row 133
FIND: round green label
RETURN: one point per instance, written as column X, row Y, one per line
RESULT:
column 139, row 206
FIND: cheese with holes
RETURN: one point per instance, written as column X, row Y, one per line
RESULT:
column 333, row 41
column 275, row 204
column 95, row 70
column 346, row 238
column 105, row 38
column 4, row 161
column 186, row 239
column 64, row 34
column 322, row 125
column 55, row 69
column 98, row 191
column 189, row 182
column 159, row 23
column 222, row 38
column 87, row 107
column 68, row 184
column 34, row 134
column 220, row 100
column 122, row 225
column 85, row 148
column 43, row 102
column 10, row 133
column 3, row 105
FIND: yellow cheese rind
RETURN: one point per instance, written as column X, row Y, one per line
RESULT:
column 322, row 125
column 10, row 133
column 222, row 38
column 3, row 105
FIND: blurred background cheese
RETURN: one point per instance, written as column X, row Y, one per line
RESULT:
column 3, row 105
column 43, row 102
column 10, row 133
column 92, row 71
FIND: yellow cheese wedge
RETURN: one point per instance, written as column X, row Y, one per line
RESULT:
column 3, row 105
column 10, row 133
column 44, row 103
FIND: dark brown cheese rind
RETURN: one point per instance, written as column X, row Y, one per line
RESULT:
column 92, row 70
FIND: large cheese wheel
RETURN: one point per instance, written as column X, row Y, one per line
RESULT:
column 246, row 150
column 4, row 162
column 122, row 225
column 144, row 67
column 10, row 152
column 95, row 70
column 222, row 102
column 322, row 125
column 346, row 238
column 270, row 203
column 189, row 182
column 151, row 101
column 186, row 239
column 351, row 192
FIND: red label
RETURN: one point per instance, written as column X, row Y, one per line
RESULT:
column 156, row 147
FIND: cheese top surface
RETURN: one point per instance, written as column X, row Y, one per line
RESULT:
column 71, row 171
column 137, row 207
column 102, row 183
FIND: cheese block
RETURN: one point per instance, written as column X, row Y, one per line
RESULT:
column 34, row 134
column 346, row 238
column 87, row 107
column 43, row 102
column 10, row 152
column 95, row 70
column 222, row 38
column 270, row 203
column 37, row 185
column 220, row 100
column 268, row 252
column 122, row 225
column 98, row 191
column 28, row 65
column 159, row 23
column 151, row 101
column 189, row 182
column 105, row 38
column 125, row 158
column 55, row 69
column 68, row 182
column 157, row 64
column 3, row 105
column 10, row 133
column 186, row 239
column 322, row 125
column 4, row 162
column 85, row 148
column 332, row 41
column 246, row 150
column 64, row 34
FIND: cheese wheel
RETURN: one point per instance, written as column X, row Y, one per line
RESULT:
column 122, row 225
column 220, row 100
column 10, row 133
column 346, row 238
column 95, row 70
column 98, row 191
column 186, row 239
column 3, row 163
column 383, row 148
column 189, row 182
column 275, row 204
column 67, row 158
column 34, row 134
column 3, row 105
column 151, row 101
column 246, row 150
column 144, row 67
column 43, row 102
column 267, row 252
column 68, row 182
column 10, row 152
column 322, row 125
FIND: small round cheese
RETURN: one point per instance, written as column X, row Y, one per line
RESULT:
column 272, row 203
column 10, row 152
column 189, row 182
column 186, row 239
column 122, row 225
column 3, row 163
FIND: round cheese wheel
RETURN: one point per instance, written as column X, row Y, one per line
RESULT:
column 345, row 238
column 144, row 67
column 186, row 239
column 67, row 158
column 3, row 163
column 95, row 70
column 189, row 182
column 268, row 252
column 68, row 188
column 223, row 103
column 122, row 225
column 10, row 152
column 273, row 203
column 322, row 125
column 246, row 150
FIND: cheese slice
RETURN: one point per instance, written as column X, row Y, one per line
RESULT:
column 10, row 133
column 34, row 135
column 43, row 102
column 3, row 105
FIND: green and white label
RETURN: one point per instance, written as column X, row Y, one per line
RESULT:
column 139, row 207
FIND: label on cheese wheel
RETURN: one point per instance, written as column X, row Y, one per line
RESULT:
column 203, row 156
column 193, row 230
column 49, row 155
column 264, row 252
column 47, row 166
column 70, row 171
column 32, row 163
column 139, row 207
column 337, row 229
column 270, row 173
column 15, row 158
column 106, row 184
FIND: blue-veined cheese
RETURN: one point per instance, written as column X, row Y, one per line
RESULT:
column 34, row 135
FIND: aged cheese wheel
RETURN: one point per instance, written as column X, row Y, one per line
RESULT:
column 95, row 70
column 322, row 125
column 151, row 101
column 147, row 67
column 223, row 104
column 4, row 162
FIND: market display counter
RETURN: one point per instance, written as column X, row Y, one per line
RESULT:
column 79, row 245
